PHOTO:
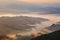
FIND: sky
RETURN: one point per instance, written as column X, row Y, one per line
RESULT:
column 50, row 9
column 29, row 6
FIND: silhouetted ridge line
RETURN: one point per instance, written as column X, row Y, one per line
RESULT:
column 51, row 36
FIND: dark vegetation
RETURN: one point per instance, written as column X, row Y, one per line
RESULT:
column 51, row 36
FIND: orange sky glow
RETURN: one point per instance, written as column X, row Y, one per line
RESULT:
column 40, row 1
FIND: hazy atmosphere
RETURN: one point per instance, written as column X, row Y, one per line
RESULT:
column 26, row 17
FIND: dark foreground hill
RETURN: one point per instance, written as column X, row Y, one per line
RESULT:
column 51, row 36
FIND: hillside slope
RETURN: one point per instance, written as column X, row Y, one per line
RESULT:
column 51, row 36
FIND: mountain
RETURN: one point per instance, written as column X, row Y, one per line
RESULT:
column 51, row 28
column 51, row 36
column 46, row 30
column 18, row 23
column 54, row 27
column 45, row 33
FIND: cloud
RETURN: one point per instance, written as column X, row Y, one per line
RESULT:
column 6, row 1
column 25, row 6
column 39, row 1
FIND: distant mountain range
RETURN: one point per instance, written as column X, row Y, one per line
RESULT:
column 46, row 30
column 54, row 27
column 49, row 33
column 18, row 23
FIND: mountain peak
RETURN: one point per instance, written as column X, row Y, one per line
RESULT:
column 54, row 27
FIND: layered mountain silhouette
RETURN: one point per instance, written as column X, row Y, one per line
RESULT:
column 53, row 33
column 45, row 34
column 18, row 23
column 21, row 23
column 54, row 27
